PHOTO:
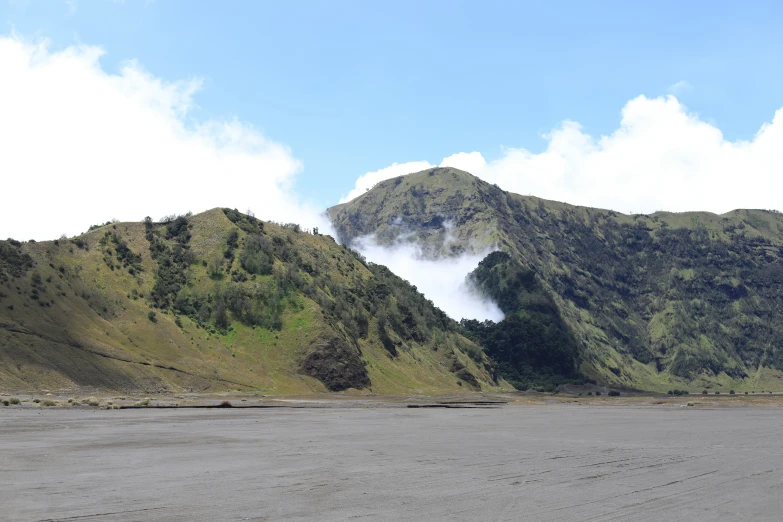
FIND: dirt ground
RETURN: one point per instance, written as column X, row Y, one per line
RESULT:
column 500, row 457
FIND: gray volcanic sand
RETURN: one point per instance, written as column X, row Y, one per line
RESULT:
column 513, row 463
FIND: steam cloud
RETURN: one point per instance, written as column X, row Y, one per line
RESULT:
column 442, row 280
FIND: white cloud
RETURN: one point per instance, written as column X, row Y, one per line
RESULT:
column 467, row 161
column 660, row 158
column 79, row 145
column 370, row 179
column 442, row 280
column 680, row 87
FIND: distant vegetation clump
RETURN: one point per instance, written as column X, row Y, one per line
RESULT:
column 115, row 248
column 247, row 223
column 173, row 260
column 255, row 256
column 95, row 227
column 13, row 262
column 532, row 346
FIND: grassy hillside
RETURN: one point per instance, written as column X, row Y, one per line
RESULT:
column 220, row 301
column 655, row 301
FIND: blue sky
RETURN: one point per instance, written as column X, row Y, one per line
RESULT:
column 287, row 108
column 352, row 87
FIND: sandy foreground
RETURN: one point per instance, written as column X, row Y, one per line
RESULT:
column 517, row 458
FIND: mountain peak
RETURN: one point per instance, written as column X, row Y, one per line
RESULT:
column 432, row 203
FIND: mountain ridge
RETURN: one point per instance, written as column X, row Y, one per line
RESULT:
column 656, row 300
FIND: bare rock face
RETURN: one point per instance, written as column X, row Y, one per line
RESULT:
column 336, row 364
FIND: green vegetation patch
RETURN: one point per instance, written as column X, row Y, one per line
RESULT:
column 173, row 261
column 116, row 249
column 532, row 346
column 14, row 262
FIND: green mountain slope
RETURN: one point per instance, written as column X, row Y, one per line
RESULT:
column 221, row 301
column 653, row 301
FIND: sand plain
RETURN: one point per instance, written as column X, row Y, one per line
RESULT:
column 377, row 460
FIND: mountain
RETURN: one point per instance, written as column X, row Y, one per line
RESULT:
column 648, row 301
column 221, row 301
